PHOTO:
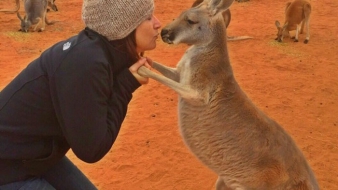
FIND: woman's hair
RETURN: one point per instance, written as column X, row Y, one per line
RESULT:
column 128, row 45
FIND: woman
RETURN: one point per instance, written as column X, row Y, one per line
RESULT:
column 75, row 95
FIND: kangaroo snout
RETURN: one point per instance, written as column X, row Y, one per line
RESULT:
column 167, row 36
column 278, row 39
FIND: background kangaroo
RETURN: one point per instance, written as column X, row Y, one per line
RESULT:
column 218, row 122
column 227, row 18
column 36, row 11
column 297, row 14
column 51, row 4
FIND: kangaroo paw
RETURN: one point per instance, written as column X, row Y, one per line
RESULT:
column 306, row 41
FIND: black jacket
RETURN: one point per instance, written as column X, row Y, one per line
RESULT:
column 75, row 95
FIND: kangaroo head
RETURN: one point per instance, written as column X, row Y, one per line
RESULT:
column 281, row 31
column 25, row 23
column 197, row 24
column 51, row 4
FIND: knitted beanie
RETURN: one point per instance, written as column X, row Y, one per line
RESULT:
column 115, row 19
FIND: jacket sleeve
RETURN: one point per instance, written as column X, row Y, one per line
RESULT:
column 91, row 105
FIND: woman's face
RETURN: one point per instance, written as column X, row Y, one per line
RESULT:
column 146, row 34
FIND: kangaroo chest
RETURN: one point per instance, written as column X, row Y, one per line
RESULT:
column 189, row 68
column 185, row 70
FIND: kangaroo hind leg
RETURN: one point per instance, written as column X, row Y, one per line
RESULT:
column 37, row 21
column 307, row 12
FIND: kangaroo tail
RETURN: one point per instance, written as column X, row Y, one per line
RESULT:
column 235, row 38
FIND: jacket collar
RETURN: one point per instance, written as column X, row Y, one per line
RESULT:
column 118, row 59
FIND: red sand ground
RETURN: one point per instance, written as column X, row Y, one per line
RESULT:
column 294, row 83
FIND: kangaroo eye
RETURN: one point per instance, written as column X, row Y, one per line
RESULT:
column 192, row 22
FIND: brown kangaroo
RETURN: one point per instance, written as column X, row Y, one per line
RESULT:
column 218, row 122
column 297, row 14
column 51, row 4
column 36, row 14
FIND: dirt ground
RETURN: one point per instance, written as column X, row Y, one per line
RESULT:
column 294, row 83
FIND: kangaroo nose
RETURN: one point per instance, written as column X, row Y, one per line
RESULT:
column 167, row 35
column 164, row 32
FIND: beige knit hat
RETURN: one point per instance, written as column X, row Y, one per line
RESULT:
column 115, row 19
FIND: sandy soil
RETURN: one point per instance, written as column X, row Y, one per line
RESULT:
column 294, row 83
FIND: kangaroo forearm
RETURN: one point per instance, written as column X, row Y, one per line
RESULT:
column 166, row 71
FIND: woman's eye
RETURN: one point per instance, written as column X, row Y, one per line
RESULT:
column 149, row 18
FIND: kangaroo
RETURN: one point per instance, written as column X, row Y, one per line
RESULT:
column 36, row 11
column 218, row 122
column 227, row 18
column 296, row 13
column 51, row 4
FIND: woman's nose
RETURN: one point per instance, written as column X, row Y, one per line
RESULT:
column 157, row 23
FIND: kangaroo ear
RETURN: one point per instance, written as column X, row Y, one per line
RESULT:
column 217, row 6
column 277, row 24
column 19, row 16
column 197, row 2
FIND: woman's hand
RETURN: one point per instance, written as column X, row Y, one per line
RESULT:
column 133, row 69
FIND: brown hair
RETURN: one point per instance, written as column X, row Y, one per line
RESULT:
column 128, row 45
